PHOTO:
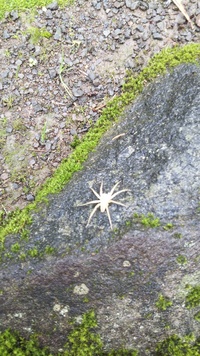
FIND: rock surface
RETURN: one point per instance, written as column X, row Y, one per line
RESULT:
column 93, row 44
column 154, row 151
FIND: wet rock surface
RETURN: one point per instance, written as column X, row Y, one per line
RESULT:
column 154, row 151
column 59, row 67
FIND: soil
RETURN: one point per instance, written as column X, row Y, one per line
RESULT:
column 59, row 68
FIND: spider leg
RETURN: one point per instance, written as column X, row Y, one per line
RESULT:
column 95, row 193
column 120, row 191
column 109, row 218
column 117, row 202
column 101, row 188
column 90, row 202
column 113, row 188
column 92, row 213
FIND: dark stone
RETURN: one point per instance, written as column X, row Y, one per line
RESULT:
column 154, row 151
column 144, row 5
column 157, row 36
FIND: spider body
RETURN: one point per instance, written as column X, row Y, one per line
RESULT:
column 104, row 199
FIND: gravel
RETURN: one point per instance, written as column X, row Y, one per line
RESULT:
column 52, row 89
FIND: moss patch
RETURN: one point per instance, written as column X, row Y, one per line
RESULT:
column 176, row 346
column 193, row 297
column 8, row 6
column 83, row 340
column 181, row 260
column 11, row 343
column 37, row 34
column 148, row 221
column 168, row 58
column 163, row 303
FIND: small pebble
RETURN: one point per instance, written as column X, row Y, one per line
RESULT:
column 4, row 176
column 30, row 197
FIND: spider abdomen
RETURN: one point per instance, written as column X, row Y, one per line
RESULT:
column 105, row 199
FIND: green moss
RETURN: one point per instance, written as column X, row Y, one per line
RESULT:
column 22, row 256
column 193, row 297
column 168, row 226
column 11, row 343
column 176, row 346
column 25, row 234
column 15, row 247
column 197, row 316
column 181, row 259
column 177, row 235
column 33, row 252
column 37, row 34
column 82, row 340
column 163, row 303
column 18, row 125
column 8, row 6
column 168, row 58
column 76, row 141
column 49, row 250
column 148, row 220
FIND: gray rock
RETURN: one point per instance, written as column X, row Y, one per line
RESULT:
column 131, row 4
column 4, row 74
column 118, row 4
column 48, row 146
column 9, row 129
column 97, row 4
column 52, row 73
column 140, row 28
column 18, row 62
column 58, row 34
column 157, row 36
column 48, row 14
column 37, row 107
column 154, row 151
column 14, row 14
column 53, row 6
column 30, row 197
column 106, row 32
column 77, row 92
column 127, row 33
column 143, row 5
column 6, row 35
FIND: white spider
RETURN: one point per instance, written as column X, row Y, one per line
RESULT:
column 104, row 200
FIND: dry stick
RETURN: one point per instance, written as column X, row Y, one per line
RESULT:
column 179, row 4
column 61, row 69
column 120, row 135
